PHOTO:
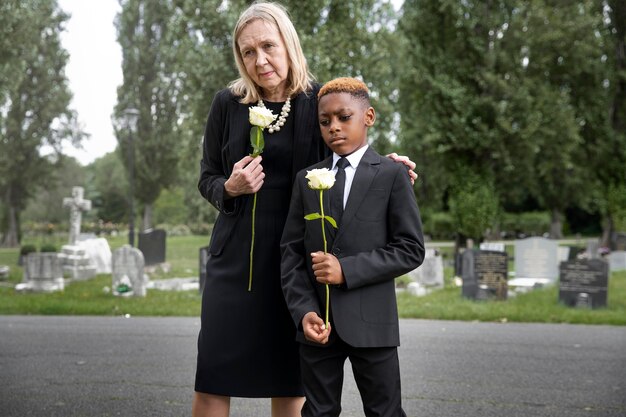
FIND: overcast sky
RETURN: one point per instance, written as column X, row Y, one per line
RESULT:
column 94, row 72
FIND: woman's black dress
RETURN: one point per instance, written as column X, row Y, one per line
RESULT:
column 247, row 346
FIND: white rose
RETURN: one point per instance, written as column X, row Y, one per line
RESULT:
column 320, row 179
column 261, row 116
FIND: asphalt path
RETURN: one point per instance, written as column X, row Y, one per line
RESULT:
column 117, row 366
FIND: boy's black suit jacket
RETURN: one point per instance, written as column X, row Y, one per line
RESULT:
column 379, row 239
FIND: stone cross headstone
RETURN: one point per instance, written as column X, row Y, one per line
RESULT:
column 43, row 272
column 128, row 272
column 77, row 205
column 583, row 283
column 617, row 261
column 536, row 260
column 203, row 259
column 429, row 275
column 485, row 274
column 152, row 245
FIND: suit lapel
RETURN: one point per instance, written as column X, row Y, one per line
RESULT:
column 367, row 170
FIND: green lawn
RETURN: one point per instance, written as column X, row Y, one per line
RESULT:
column 93, row 297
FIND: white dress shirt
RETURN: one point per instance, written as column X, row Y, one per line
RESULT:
column 353, row 162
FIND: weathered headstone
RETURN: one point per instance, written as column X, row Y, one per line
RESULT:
column 617, row 260
column 128, row 272
column 618, row 241
column 4, row 272
column 593, row 247
column 42, row 273
column 203, row 259
column 485, row 275
column 99, row 252
column 583, row 283
column 497, row 246
column 563, row 253
column 76, row 262
column 536, row 262
column 152, row 245
column 429, row 274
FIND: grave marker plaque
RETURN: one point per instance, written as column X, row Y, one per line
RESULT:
column 536, row 258
column 485, row 274
column 152, row 245
column 583, row 283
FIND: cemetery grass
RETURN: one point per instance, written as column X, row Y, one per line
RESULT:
column 93, row 297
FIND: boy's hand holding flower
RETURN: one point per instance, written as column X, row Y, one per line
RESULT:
column 320, row 180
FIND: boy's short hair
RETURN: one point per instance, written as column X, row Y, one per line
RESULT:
column 356, row 88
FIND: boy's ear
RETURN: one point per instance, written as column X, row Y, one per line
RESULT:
column 370, row 117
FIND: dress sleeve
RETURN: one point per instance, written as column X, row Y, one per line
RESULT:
column 214, row 165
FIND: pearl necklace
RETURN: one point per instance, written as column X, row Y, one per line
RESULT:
column 284, row 113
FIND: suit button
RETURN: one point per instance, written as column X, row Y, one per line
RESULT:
column 336, row 251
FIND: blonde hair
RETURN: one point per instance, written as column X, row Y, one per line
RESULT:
column 299, row 79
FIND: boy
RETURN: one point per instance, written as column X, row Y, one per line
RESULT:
column 378, row 238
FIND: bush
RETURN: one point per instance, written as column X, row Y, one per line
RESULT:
column 532, row 223
column 48, row 247
column 201, row 229
column 438, row 226
column 26, row 249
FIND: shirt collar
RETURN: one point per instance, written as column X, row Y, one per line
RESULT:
column 354, row 158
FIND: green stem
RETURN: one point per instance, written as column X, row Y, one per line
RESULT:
column 325, row 249
column 252, row 243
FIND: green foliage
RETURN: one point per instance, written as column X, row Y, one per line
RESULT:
column 474, row 207
column 35, row 108
column 26, row 249
column 107, row 188
column 527, row 223
column 438, row 225
column 143, row 32
column 48, row 248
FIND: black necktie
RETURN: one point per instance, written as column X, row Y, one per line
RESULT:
column 336, row 193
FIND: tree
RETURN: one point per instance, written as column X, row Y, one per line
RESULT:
column 34, row 113
column 107, row 188
column 368, row 52
column 150, row 87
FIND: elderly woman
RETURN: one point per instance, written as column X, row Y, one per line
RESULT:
column 246, row 346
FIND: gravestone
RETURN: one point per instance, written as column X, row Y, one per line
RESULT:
column 77, row 205
column 617, row 261
column 485, row 275
column 583, row 283
column 429, row 275
column 4, row 272
column 203, row 259
column 618, row 241
column 43, row 272
column 98, row 251
column 152, row 245
column 593, row 249
column 496, row 246
column 76, row 262
column 128, row 272
column 536, row 262
column 563, row 253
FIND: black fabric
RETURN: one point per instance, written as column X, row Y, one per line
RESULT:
column 246, row 345
column 337, row 190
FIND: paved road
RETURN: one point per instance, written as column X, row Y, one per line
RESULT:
column 103, row 366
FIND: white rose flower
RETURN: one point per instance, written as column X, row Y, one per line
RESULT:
column 320, row 179
column 261, row 116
